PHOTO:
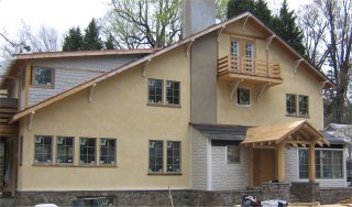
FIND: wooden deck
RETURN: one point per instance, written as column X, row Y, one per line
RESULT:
column 238, row 67
column 8, row 107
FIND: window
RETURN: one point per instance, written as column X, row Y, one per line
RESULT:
column 43, row 77
column 173, row 92
column 291, row 104
column 303, row 105
column 328, row 163
column 107, row 151
column 243, row 96
column 234, row 48
column 155, row 91
column 233, row 154
column 156, row 159
column 43, row 149
column 65, row 149
column 173, row 157
column 87, row 150
column 249, row 50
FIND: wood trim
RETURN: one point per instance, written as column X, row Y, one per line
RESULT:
column 281, row 163
column 27, row 85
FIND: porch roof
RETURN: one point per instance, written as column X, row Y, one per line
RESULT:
column 295, row 133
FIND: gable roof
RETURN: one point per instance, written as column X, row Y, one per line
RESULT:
column 189, row 39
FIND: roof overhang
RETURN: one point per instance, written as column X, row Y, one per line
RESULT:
column 296, row 133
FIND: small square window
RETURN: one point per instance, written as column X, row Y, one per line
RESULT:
column 233, row 154
column 243, row 96
column 155, row 90
column 43, row 77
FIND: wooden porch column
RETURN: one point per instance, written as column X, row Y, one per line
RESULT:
column 250, row 166
column 312, row 163
column 281, row 162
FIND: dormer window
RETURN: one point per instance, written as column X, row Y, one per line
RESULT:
column 43, row 77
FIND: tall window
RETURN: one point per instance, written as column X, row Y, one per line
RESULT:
column 173, row 92
column 303, row 105
column 243, row 96
column 156, row 158
column 65, row 149
column 87, row 150
column 173, row 156
column 42, row 76
column 43, row 149
column 234, row 48
column 328, row 164
column 249, row 50
column 233, row 154
column 107, row 151
column 291, row 104
column 155, row 88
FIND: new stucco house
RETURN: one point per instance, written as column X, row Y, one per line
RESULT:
column 230, row 107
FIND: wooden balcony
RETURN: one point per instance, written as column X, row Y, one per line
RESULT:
column 241, row 68
column 8, row 107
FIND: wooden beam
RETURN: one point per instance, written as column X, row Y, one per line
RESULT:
column 281, row 163
column 297, row 62
column 235, row 87
column 144, row 66
column 268, row 41
column 245, row 22
column 220, row 31
column 261, row 90
column 91, row 91
column 30, row 120
column 312, row 163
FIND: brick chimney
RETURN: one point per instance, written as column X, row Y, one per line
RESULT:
column 197, row 15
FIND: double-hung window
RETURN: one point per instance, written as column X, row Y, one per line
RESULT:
column 156, row 158
column 43, row 149
column 42, row 77
column 291, row 104
column 173, row 157
column 107, row 151
column 173, row 92
column 294, row 108
column 155, row 88
column 64, row 150
column 87, row 150
column 303, row 105
column 233, row 153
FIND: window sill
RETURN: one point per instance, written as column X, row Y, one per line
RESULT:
column 164, row 105
column 43, row 86
column 75, row 166
column 165, row 174
column 297, row 116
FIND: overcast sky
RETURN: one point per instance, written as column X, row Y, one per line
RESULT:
column 64, row 14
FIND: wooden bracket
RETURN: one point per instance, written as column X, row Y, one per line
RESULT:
column 261, row 90
column 91, row 91
column 234, row 89
column 188, row 47
column 30, row 120
column 322, row 84
column 144, row 67
column 245, row 22
column 220, row 31
column 297, row 62
column 268, row 41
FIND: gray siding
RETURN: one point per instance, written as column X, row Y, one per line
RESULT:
column 199, row 161
column 227, row 176
column 204, row 79
column 74, row 71
column 293, row 176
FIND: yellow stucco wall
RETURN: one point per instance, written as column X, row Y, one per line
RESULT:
column 119, row 110
column 271, row 107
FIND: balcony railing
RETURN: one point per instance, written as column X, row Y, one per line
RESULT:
column 8, row 107
column 248, row 68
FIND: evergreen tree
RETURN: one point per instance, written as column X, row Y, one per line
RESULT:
column 109, row 43
column 285, row 26
column 236, row 7
column 73, row 41
column 91, row 39
column 262, row 12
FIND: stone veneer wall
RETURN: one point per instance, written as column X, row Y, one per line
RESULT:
column 185, row 197
column 306, row 192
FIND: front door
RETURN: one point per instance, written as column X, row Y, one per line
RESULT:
column 264, row 166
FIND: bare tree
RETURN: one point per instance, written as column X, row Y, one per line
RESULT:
column 144, row 23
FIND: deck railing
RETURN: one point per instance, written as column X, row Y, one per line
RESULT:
column 247, row 66
column 8, row 107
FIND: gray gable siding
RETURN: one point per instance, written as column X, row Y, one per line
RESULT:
column 70, row 72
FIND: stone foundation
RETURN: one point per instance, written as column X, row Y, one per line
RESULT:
column 190, row 197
